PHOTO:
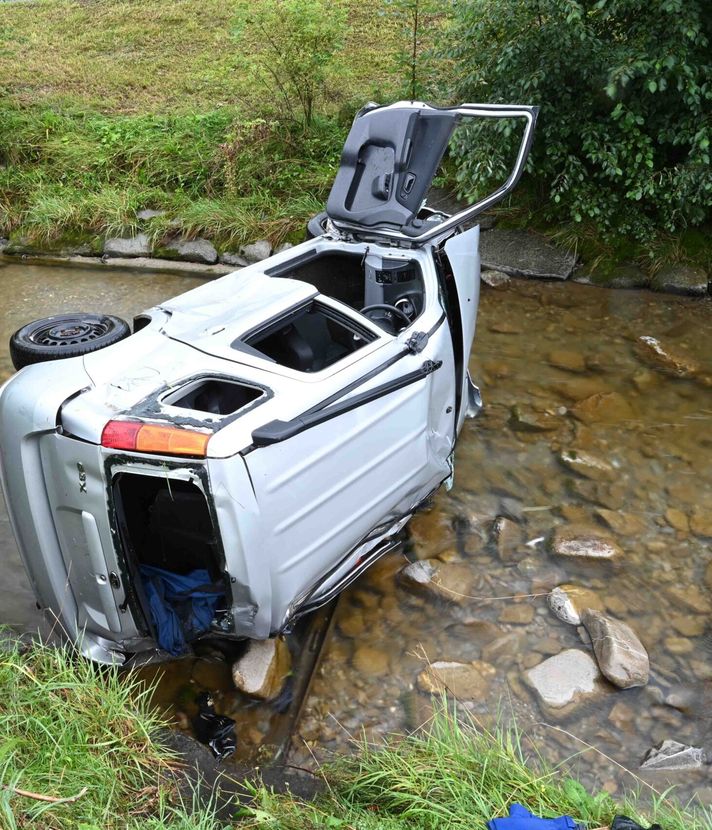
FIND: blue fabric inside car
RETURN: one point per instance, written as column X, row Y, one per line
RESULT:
column 182, row 606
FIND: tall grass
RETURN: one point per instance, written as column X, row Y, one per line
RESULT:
column 70, row 729
column 454, row 775
column 70, row 174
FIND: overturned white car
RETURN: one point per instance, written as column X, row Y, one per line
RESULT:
column 257, row 442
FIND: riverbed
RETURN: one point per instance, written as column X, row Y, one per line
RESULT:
column 543, row 353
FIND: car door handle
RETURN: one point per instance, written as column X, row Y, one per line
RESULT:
column 276, row 431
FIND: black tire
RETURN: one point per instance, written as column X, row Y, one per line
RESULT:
column 65, row 335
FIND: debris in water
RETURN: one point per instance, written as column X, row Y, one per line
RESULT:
column 217, row 731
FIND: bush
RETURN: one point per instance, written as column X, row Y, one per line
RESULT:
column 625, row 89
column 296, row 42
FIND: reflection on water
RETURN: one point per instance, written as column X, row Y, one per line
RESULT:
column 561, row 370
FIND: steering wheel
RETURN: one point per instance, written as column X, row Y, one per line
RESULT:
column 385, row 314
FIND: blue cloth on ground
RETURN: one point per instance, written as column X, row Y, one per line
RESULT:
column 181, row 605
column 521, row 819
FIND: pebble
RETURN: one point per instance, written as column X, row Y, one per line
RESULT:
column 370, row 661
column 678, row 645
column 586, row 464
column 690, row 597
column 677, row 519
column 603, row 408
column 621, row 656
column 466, row 681
column 568, row 602
column 517, row 614
column 583, row 542
column 508, row 539
column 666, row 358
column 569, row 361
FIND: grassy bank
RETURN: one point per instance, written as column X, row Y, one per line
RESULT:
column 107, row 108
column 78, row 749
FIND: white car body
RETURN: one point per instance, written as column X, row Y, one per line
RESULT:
column 325, row 429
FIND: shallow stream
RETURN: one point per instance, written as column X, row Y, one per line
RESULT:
column 560, row 371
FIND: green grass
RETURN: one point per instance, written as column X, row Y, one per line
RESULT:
column 71, row 728
column 107, row 108
column 454, row 775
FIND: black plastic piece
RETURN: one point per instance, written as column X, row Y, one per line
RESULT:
column 276, row 431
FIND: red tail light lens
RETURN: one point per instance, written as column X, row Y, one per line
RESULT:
column 164, row 440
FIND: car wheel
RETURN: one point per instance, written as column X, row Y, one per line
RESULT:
column 65, row 335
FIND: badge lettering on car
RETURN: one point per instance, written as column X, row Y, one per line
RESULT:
column 82, row 477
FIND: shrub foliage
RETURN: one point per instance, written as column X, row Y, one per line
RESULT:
column 625, row 89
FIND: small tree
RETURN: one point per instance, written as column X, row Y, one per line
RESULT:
column 297, row 43
column 625, row 88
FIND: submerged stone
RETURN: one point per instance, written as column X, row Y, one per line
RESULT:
column 451, row 581
column 666, row 358
column 508, row 538
column 586, row 464
column 568, row 602
column 604, row 407
column 584, row 542
column 569, row 361
column 620, row 654
column 495, row 279
column 466, row 681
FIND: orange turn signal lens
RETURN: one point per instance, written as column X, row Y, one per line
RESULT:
column 163, row 440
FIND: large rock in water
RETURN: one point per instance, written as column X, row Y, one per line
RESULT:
column 262, row 670
column 523, row 254
column 680, row 279
column 466, row 681
column 566, row 680
column 620, row 654
column 583, row 542
column 132, row 247
column 568, row 602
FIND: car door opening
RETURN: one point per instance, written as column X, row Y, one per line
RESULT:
column 172, row 553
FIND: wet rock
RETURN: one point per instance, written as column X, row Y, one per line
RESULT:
column 568, row 602
column 678, row 645
column 504, row 327
column 627, row 275
column 135, row 246
column 677, row 519
column 495, row 279
column 233, row 260
column 565, row 680
column 505, row 649
column 262, row 670
column 701, row 523
column 466, row 681
column 690, row 597
column 586, row 464
column 567, row 360
column 191, row 250
column 370, row 661
column 622, row 523
column 451, row 581
column 256, row 251
column 508, row 538
column 577, row 389
column 583, row 542
column 432, row 531
column 417, row 710
column 620, row 654
column 622, row 717
column 666, row 358
column 527, row 420
column 680, row 279
column 672, row 755
column 517, row 614
column 146, row 214
column 351, row 624
column 604, row 408
column 688, row 625
column 523, row 254
column 708, row 576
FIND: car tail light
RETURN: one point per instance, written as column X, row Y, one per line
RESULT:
column 164, row 440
